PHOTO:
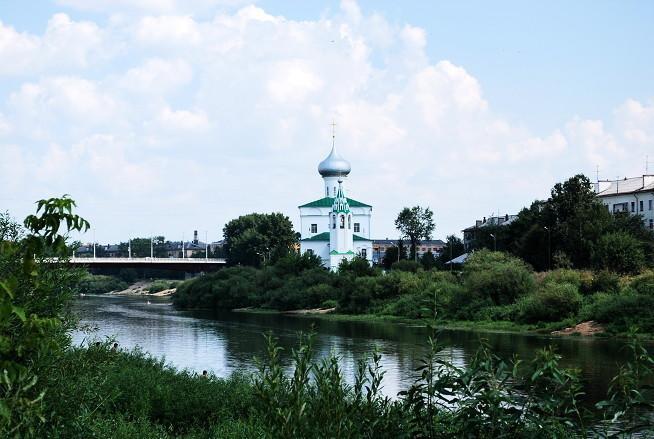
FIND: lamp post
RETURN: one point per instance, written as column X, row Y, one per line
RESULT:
column 549, row 247
column 206, row 246
column 494, row 242
column 151, row 249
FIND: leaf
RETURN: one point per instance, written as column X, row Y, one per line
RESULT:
column 20, row 312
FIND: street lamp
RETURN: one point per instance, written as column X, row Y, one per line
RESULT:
column 549, row 247
column 494, row 242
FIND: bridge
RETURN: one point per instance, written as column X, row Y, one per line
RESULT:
column 188, row 265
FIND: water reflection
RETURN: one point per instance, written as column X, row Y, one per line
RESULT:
column 227, row 342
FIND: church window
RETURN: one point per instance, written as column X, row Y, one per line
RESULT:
column 314, row 228
column 333, row 221
column 650, row 204
column 641, row 205
column 357, row 227
column 349, row 221
column 334, row 190
column 342, row 221
column 309, row 251
column 327, row 190
column 364, row 253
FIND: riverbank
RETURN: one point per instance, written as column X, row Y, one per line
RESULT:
column 564, row 328
column 144, row 288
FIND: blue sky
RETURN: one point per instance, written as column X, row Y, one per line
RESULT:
column 469, row 107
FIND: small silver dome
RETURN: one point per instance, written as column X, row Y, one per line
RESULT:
column 334, row 165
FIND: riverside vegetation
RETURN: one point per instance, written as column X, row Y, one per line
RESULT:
column 494, row 290
column 50, row 389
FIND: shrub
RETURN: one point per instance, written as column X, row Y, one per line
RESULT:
column 606, row 281
column 621, row 311
column 405, row 265
column 644, row 283
column 359, row 266
column 496, row 275
column 620, row 252
column 551, row 303
column 99, row 284
column 583, row 280
column 162, row 284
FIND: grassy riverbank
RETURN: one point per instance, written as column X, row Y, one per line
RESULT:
column 494, row 292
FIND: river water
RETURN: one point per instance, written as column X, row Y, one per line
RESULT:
column 223, row 343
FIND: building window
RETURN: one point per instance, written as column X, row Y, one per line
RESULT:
column 334, row 190
column 327, row 190
column 650, row 204
column 641, row 205
column 633, row 206
column 651, row 224
column 357, row 227
column 342, row 221
column 309, row 251
column 364, row 253
column 333, row 221
column 349, row 221
column 620, row 207
column 314, row 228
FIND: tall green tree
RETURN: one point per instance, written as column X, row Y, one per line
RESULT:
column 415, row 223
column 258, row 238
column 453, row 247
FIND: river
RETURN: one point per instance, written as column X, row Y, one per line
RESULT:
column 223, row 343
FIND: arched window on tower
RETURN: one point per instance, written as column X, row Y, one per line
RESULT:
column 349, row 221
column 333, row 221
column 334, row 190
column 327, row 188
column 342, row 221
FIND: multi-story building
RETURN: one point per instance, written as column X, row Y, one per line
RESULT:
column 379, row 247
column 470, row 234
column 633, row 195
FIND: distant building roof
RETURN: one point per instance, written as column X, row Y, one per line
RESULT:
column 628, row 186
column 502, row 220
column 329, row 202
column 424, row 242
column 459, row 259
column 324, row 236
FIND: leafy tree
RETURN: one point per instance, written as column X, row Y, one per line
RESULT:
column 393, row 254
column 33, row 319
column 359, row 266
column 257, row 238
column 428, row 261
column 415, row 223
column 452, row 249
column 619, row 252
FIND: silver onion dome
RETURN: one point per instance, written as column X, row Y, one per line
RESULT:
column 334, row 165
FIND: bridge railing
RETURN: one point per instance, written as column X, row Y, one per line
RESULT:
column 146, row 260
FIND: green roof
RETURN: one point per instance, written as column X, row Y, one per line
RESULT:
column 324, row 236
column 329, row 202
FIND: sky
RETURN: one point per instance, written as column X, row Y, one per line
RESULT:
column 160, row 117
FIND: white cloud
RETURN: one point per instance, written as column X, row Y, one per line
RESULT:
column 237, row 106
column 149, row 6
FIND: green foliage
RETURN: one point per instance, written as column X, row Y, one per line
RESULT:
column 415, row 223
column 644, row 283
column 499, row 276
column 620, row 252
column 391, row 255
column 551, row 303
column 621, row 311
column 607, row 281
column 428, row 261
column 93, row 389
column 453, row 248
column 33, row 320
column 162, row 284
column 358, row 266
column 100, row 284
column 405, row 265
column 258, row 238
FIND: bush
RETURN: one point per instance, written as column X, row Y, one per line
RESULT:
column 583, row 280
column 358, row 266
column 621, row 311
column 162, row 284
column 644, row 283
column 606, row 281
column 496, row 275
column 619, row 252
column 552, row 303
column 99, row 284
column 405, row 265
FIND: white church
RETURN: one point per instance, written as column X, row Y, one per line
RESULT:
column 335, row 227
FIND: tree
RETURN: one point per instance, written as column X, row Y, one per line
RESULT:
column 428, row 261
column 619, row 252
column 258, row 238
column 452, row 249
column 415, row 223
column 393, row 254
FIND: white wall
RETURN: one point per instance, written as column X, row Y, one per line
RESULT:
column 610, row 200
